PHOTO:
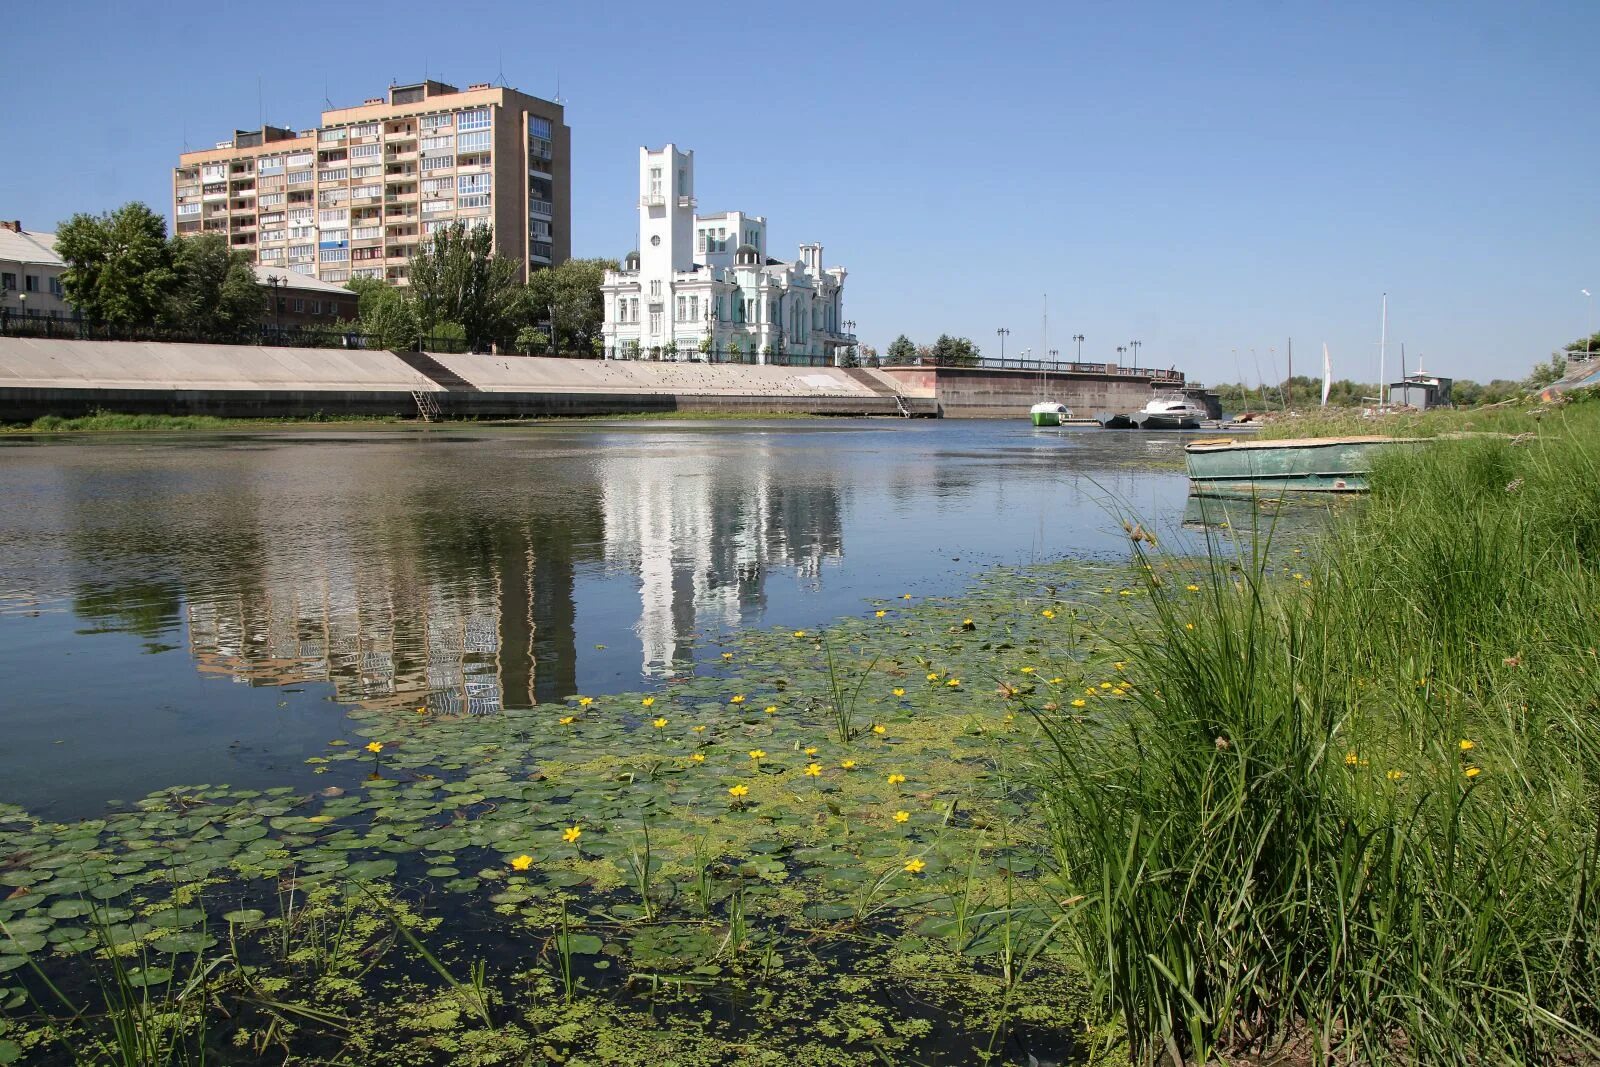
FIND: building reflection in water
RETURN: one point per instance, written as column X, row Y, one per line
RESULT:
column 442, row 601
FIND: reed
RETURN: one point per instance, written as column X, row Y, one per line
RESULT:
column 1355, row 811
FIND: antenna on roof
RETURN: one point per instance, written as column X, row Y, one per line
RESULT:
column 261, row 107
column 325, row 98
column 501, row 60
column 558, row 99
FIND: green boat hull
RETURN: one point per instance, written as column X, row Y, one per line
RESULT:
column 1046, row 418
column 1256, row 468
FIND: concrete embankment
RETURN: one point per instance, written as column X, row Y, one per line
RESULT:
column 56, row 377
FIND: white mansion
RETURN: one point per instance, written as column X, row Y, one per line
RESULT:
column 702, row 287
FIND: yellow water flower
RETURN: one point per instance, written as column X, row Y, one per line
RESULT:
column 848, row 764
column 566, row 720
column 727, row 655
column 571, row 834
column 1116, row 691
column 1350, row 759
column 771, row 709
column 1057, row 681
column 905, row 596
column 1105, row 685
column 374, row 746
column 647, row 701
column 698, row 729
column 1473, row 772
column 966, row 622
column 897, row 691
column 1119, row 666
column 1192, row 588
column 1188, row 626
column 896, row 779
column 737, row 698
column 1080, row 702
column 879, row 728
column 811, row 750
column 915, row 866
column 1299, row 577
column 422, row 711
column 799, row 633
column 584, row 702
column 1395, row 776
column 953, row 682
column 758, row 753
column 880, row 614
column 1466, row 746
column 1125, row 593
column 659, row 723
column 933, row 676
column 813, row 770
column 901, row 816
column 1028, row 670
column 739, row 791
column 1047, row 613
column 699, row 757
column 522, row 863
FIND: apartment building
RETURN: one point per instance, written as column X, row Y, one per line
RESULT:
column 30, row 274
column 354, row 197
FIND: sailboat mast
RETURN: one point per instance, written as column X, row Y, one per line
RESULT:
column 1288, row 383
column 1383, row 348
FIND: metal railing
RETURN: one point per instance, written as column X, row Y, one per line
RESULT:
column 1160, row 374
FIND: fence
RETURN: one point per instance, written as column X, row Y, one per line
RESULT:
column 1158, row 374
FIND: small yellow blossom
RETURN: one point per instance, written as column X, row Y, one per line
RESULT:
column 1395, row 776
column 915, row 866
column 811, row 750
column 880, row 614
column 813, row 770
column 1473, row 772
column 1079, row 703
column 1466, row 746
column 647, row 701
column 933, row 676
column 660, row 723
column 1192, row 588
column 584, row 702
column 727, row 655
column 1299, row 577
column 897, row 691
column 1350, row 759
column 848, row 764
column 1119, row 665
column 905, row 596
column 737, row 698
column 1057, row 681
column 799, row 633
column 879, row 728
column 901, row 816
column 1028, row 670
column 1117, row 691
column 896, row 779
column 699, row 757
column 1047, row 613
column 966, row 622
column 374, row 746
column 1125, row 593
column 422, row 711
column 739, row 791
column 1188, row 626
column 953, row 682
column 1105, row 685
column 522, row 862
column 566, row 720
column 571, row 834
column 758, row 753
column 771, row 709
column 699, row 729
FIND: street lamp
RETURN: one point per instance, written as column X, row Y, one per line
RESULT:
column 1002, row 333
column 1134, row 345
column 1588, row 343
column 1121, row 349
column 1078, row 337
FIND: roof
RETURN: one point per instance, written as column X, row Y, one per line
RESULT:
column 298, row 281
column 29, row 247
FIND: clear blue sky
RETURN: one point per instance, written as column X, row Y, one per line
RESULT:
column 1202, row 177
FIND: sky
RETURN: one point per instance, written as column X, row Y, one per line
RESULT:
column 1213, row 180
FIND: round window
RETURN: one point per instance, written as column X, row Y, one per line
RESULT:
column 656, row 239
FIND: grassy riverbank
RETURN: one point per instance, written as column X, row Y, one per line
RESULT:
column 1512, row 417
column 113, row 422
column 1353, row 808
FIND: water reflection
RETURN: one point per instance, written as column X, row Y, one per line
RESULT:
column 465, row 572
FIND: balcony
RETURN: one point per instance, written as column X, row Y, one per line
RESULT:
column 542, row 207
column 652, row 200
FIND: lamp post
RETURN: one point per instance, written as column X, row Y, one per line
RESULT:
column 1588, row 342
column 1134, row 345
column 1120, row 349
column 1002, row 332
column 1078, row 337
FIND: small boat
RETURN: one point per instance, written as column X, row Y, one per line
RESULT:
column 1225, row 467
column 1049, row 413
column 1174, row 411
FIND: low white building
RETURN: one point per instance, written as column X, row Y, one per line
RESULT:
column 702, row 286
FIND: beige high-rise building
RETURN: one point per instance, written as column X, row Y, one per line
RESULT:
column 354, row 197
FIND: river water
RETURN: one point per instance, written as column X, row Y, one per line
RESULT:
column 181, row 609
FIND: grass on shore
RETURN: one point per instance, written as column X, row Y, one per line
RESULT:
column 1353, row 808
column 115, row 422
column 1513, row 417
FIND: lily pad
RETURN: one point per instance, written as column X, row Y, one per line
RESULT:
column 244, row 916
column 187, row 941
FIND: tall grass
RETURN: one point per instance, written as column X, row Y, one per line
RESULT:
column 1523, row 415
column 1356, row 811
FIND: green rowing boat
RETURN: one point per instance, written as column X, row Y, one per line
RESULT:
column 1303, row 465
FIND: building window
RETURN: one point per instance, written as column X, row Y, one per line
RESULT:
column 366, row 151
column 468, row 184
column 700, row 241
column 655, row 287
column 469, row 142
column 539, row 127
column 316, row 307
column 431, row 144
column 30, row 282
column 655, row 324
column 8, row 282
column 437, row 162
column 655, row 181
column 299, row 305
column 683, row 306
column 55, row 285
column 477, row 119
column 694, row 309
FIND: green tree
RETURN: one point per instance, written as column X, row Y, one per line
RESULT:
column 119, row 265
column 1587, row 345
column 1545, row 373
column 900, row 352
column 532, row 341
column 955, row 351
column 456, row 277
column 568, row 297
column 388, row 315
column 216, row 293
